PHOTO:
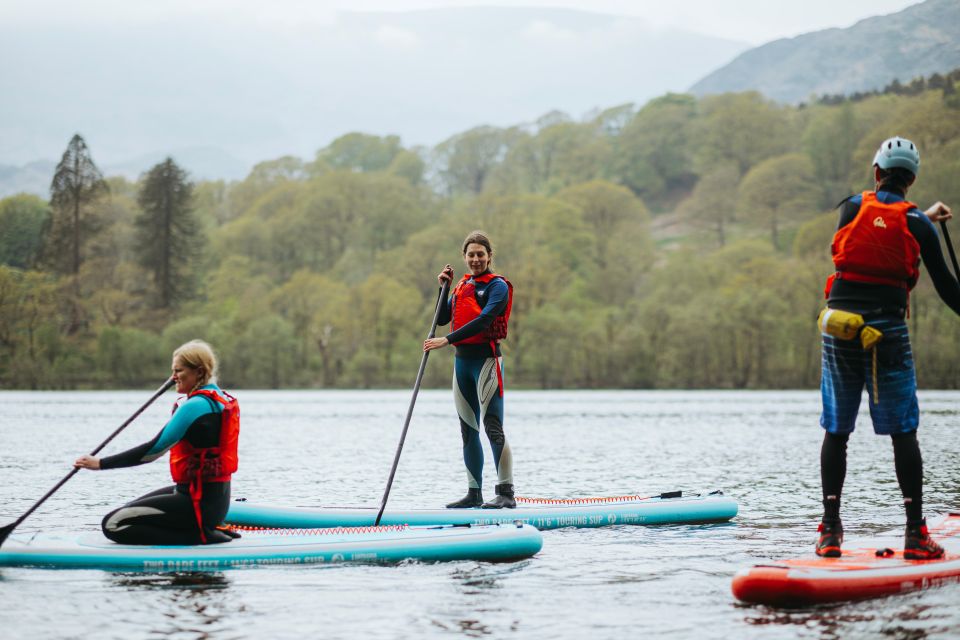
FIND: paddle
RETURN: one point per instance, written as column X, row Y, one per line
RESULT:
column 953, row 256
column 413, row 400
column 5, row 531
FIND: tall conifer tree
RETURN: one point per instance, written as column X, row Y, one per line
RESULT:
column 77, row 182
column 167, row 234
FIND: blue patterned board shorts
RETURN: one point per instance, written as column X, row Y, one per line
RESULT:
column 847, row 369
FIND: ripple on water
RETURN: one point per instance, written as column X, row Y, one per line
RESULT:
column 336, row 448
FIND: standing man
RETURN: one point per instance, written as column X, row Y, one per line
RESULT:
column 880, row 241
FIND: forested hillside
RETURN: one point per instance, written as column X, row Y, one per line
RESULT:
column 681, row 244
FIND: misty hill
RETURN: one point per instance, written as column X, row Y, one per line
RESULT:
column 248, row 88
column 918, row 41
column 203, row 164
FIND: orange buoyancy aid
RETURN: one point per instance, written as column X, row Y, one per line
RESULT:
column 196, row 465
column 876, row 246
column 466, row 308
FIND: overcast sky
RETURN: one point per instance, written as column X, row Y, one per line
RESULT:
column 223, row 84
column 751, row 21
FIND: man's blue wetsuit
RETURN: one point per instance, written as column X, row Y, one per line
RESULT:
column 475, row 386
column 847, row 368
column 166, row 516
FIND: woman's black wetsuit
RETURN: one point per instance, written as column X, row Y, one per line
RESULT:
column 166, row 516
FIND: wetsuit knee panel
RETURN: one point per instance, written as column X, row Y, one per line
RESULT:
column 465, row 432
column 494, row 429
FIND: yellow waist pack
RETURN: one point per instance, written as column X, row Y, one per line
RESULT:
column 848, row 326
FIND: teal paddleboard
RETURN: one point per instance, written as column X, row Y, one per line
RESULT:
column 291, row 547
column 668, row 508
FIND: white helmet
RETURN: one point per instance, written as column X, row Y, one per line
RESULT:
column 898, row 152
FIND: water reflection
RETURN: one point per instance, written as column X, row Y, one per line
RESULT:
column 193, row 603
column 486, row 577
column 834, row 621
column 191, row 580
column 469, row 628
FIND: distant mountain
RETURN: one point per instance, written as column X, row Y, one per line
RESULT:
column 918, row 41
column 201, row 163
column 33, row 177
column 263, row 85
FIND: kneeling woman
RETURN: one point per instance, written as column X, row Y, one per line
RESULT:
column 202, row 439
column 479, row 309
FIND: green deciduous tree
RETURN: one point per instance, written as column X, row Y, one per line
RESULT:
column 131, row 357
column 830, row 140
column 654, row 152
column 384, row 307
column 265, row 354
column 742, row 129
column 605, row 207
column 713, row 202
column 22, row 218
column 560, row 154
column 319, row 311
column 777, row 192
column 30, row 324
column 408, row 165
column 361, row 152
column 465, row 161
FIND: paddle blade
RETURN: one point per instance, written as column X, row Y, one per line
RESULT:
column 5, row 531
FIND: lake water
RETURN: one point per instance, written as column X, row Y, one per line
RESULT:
column 336, row 448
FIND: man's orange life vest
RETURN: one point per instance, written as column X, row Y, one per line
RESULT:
column 466, row 309
column 196, row 465
column 876, row 246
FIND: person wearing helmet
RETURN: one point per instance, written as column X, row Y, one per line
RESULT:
column 880, row 241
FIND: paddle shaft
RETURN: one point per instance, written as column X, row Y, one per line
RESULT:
column 953, row 256
column 413, row 400
column 5, row 531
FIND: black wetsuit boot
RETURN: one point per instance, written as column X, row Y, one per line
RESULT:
column 217, row 536
column 473, row 499
column 504, row 499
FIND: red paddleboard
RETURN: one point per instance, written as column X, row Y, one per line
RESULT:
column 867, row 569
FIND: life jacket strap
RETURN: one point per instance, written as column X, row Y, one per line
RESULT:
column 496, row 360
column 196, row 494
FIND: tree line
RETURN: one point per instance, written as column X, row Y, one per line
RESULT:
column 946, row 84
column 682, row 243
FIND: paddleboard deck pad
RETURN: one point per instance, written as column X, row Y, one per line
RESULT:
column 382, row 544
column 542, row 513
column 867, row 569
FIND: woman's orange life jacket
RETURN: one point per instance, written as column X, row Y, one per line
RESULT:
column 196, row 465
column 876, row 246
column 466, row 309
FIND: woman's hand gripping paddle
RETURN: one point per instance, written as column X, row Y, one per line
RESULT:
column 5, row 531
column 413, row 400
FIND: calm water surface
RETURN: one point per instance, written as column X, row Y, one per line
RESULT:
column 335, row 448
